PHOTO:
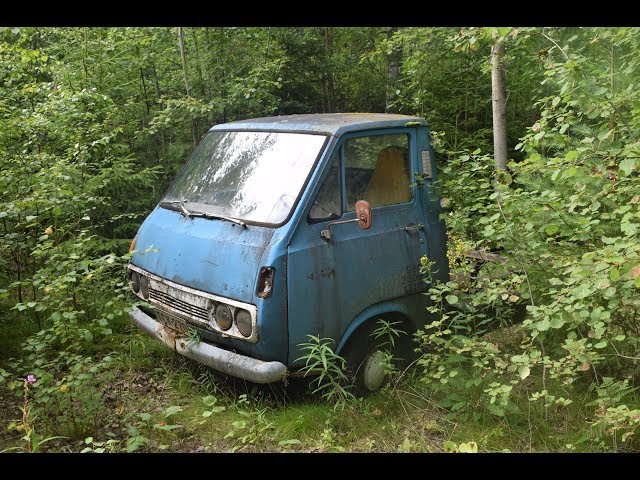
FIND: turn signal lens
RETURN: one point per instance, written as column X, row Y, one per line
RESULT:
column 133, row 243
column 265, row 282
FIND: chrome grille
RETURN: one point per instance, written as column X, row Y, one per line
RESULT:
column 169, row 300
column 192, row 306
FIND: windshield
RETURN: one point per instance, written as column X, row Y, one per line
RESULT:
column 253, row 176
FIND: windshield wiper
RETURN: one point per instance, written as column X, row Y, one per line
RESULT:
column 219, row 217
column 180, row 204
column 190, row 214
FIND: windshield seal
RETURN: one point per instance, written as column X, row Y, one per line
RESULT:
column 176, row 206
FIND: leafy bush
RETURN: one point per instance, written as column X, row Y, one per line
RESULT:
column 567, row 219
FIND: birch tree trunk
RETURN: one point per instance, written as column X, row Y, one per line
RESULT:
column 393, row 71
column 498, row 101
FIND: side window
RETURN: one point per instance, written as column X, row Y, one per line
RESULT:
column 377, row 169
column 328, row 204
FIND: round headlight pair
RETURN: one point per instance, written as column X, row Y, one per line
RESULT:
column 134, row 281
column 139, row 284
column 224, row 319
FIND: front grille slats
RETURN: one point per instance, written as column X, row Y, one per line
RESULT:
column 168, row 300
column 186, row 304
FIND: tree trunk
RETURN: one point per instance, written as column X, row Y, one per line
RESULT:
column 143, row 86
column 100, row 65
column 186, row 81
column 499, row 101
column 84, row 60
column 160, row 103
column 207, row 64
column 329, row 88
column 393, row 72
column 183, row 59
column 199, row 66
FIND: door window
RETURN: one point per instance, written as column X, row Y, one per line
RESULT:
column 377, row 169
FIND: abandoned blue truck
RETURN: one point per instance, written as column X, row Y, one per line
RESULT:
column 283, row 227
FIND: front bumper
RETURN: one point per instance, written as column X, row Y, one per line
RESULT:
column 219, row 359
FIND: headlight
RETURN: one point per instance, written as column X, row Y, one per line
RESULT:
column 243, row 322
column 144, row 287
column 134, row 282
column 224, row 318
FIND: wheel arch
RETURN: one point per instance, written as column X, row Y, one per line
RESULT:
column 394, row 311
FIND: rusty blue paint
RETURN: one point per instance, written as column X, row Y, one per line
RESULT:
column 369, row 267
column 326, row 288
column 201, row 253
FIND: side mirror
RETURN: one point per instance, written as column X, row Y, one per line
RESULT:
column 363, row 214
column 363, row 217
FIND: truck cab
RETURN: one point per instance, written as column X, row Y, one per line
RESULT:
column 282, row 227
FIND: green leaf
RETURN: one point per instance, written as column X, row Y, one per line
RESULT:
column 450, row 446
column 172, row 411
column 556, row 322
column 627, row 165
column 209, row 400
column 552, row 229
column 614, row 274
column 56, row 211
column 543, row 325
column 452, row 299
column 292, row 441
column 571, row 155
column 469, row 447
column 601, row 344
column 134, row 443
column 524, row 372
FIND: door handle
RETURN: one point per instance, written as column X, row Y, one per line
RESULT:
column 414, row 228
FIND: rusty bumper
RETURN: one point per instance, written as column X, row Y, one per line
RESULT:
column 224, row 361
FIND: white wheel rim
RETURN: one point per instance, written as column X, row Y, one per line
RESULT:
column 374, row 371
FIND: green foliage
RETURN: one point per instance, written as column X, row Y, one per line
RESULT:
column 95, row 122
column 251, row 429
column 566, row 219
column 331, row 381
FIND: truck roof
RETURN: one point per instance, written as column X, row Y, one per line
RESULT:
column 327, row 123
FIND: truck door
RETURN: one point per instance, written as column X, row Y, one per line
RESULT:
column 330, row 281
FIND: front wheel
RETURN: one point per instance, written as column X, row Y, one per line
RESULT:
column 368, row 358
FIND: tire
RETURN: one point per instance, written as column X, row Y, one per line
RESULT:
column 364, row 355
